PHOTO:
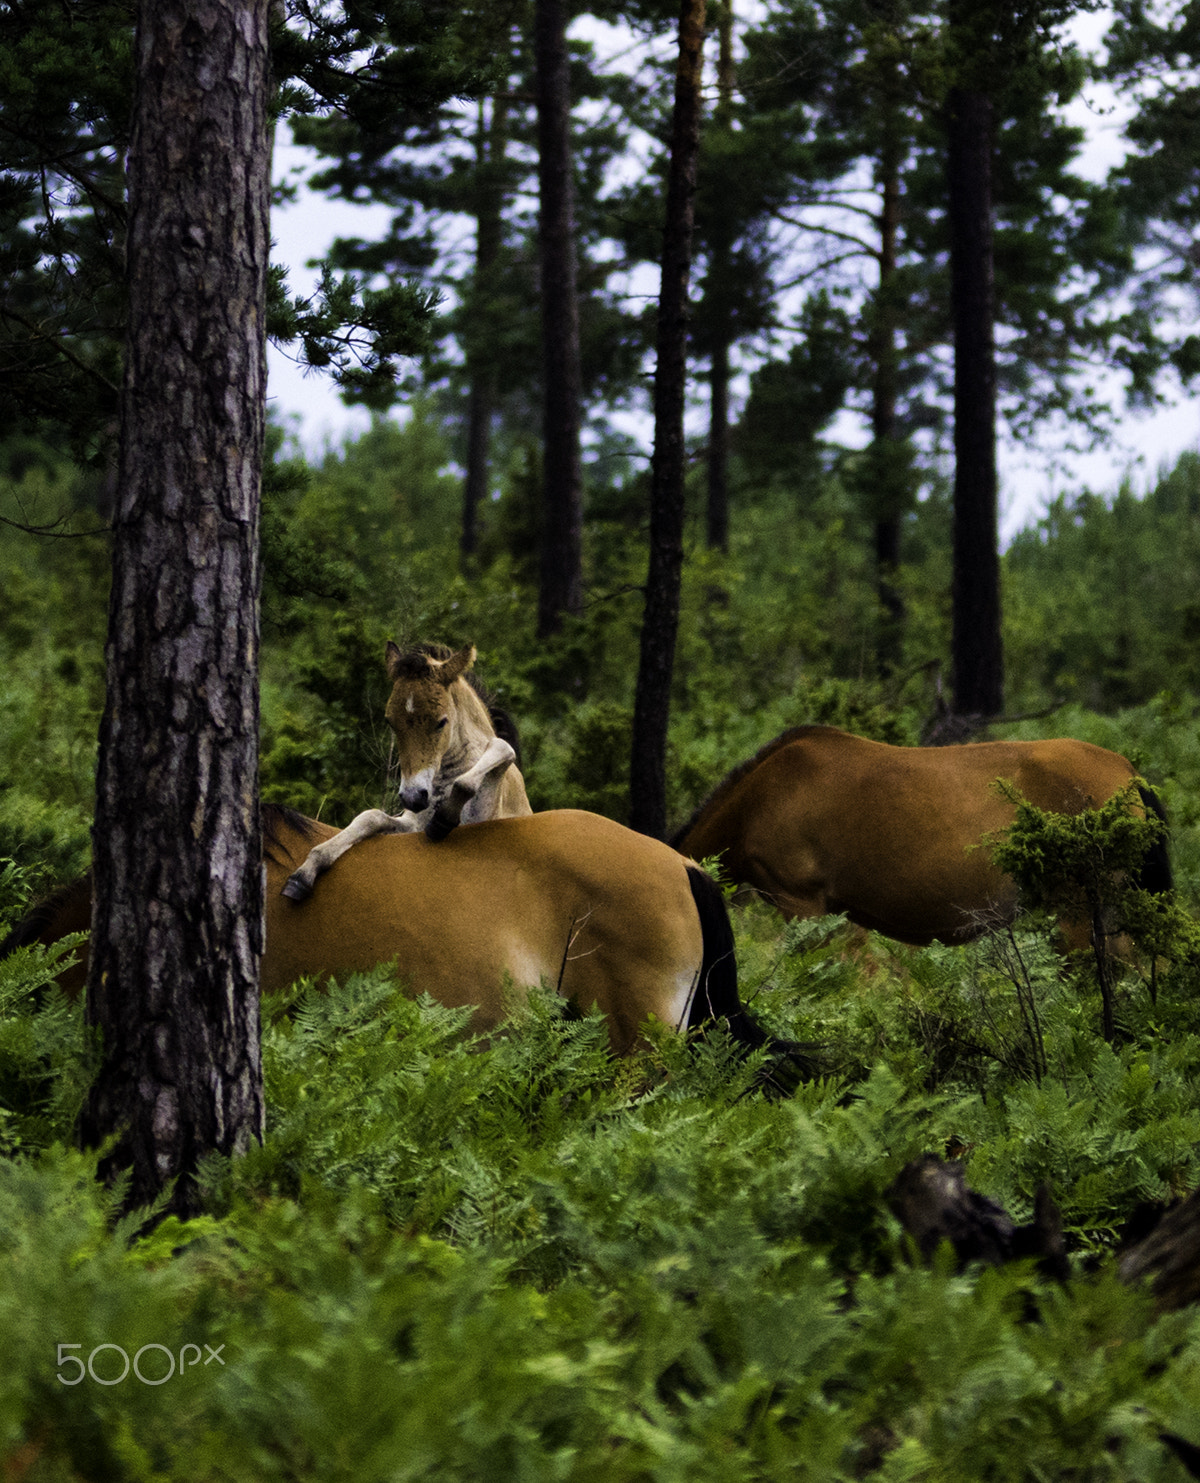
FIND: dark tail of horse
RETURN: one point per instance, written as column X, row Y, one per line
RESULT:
column 716, row 996
column 1155, row 874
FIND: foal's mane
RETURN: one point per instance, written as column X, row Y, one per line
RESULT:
column 275, row 818
column 731, row 780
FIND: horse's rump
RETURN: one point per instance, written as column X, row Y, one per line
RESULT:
column 604, row 914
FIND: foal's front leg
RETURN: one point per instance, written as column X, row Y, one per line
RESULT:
column 472, row 796
column 299, row 885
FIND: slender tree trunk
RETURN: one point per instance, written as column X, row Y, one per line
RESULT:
column 717, row 523
column 884, row 422
column 480, row 404
column 481, row 398
column 561, row 584
column 978, row 655
column 178, row 908
column 660, row 620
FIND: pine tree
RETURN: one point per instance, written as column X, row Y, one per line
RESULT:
column 996, row 55
column 178, row 910
column 660, row 618
column 66, row 87
column 177, row 931
column 1153, row 54
column 66, row 81
column 846, row 81
column 433, row 165
column 560, row 581
column 975, row 639
column 430, row 159
column 742, row 181
column 860, row 89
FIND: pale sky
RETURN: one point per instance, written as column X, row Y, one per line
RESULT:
column 1030, row 473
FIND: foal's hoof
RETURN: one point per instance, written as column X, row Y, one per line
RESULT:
column 296, row 889
column 437, row 829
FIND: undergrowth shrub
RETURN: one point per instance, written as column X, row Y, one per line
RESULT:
column 1162, row 740
column 47, row 1058
column 1083, row 868
column 49, row 843
column 1008, row 1036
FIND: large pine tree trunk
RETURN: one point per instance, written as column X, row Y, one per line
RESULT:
column 660, row 619
column 489, row 231
column 178, row 909
column 560, row 589
column 978, row 655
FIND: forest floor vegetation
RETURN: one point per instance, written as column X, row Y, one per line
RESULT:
column 454, row 1259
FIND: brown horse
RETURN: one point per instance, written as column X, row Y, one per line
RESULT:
column 821, row 821
column 454, row 768
column 606, row 916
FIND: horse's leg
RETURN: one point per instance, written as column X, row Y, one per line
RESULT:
column 472, row 796
column 299, row 885
column 796, row 891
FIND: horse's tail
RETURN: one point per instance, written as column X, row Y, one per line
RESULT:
column 716, row 995
column 1155, row 873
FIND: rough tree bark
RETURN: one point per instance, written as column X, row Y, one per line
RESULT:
column 660, row 618
column 977, row 653
column 560, row 587
column 178, row 910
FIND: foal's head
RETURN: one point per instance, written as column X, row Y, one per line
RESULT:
column 430, row 705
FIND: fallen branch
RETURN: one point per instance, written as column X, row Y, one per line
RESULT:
column 933, row 1203
column 931, row 1200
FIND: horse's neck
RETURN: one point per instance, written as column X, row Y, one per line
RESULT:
column 471, row 732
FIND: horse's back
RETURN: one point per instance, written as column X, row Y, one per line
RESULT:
column 1058, row 774
column 827, row 821
column 601, row 913
column 604, row 915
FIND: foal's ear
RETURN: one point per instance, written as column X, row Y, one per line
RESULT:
column 392, row 657
column 457, row 664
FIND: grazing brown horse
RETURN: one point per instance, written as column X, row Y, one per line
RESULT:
column 454, row 768
column 606, row 916
column 822, row 821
